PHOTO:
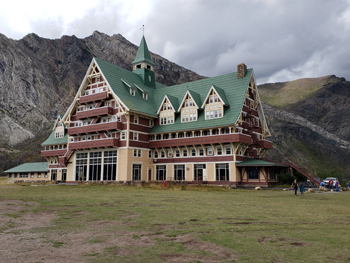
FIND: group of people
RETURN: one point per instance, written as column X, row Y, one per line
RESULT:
column 296, row 186
column 331, row 183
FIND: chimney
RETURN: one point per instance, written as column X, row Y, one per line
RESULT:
column 241, row 70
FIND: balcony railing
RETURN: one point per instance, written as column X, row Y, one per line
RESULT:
column 115, row 125
column 45, row 153
column 110, row 142
column 265, row 144
column 211, row 139
column 94, row 97
column 95, row 112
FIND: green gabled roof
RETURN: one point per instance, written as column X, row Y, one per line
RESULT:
column 114, row 76
column 29, row 167
column 143, row 53
column 53, row 141
column 231, row 89
column 196, row 97
column 222, row 94
column 258, row 162
column 235, row 91
column 174, row 101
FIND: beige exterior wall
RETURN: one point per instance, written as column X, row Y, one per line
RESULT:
column 71, row 168
column 38, row 176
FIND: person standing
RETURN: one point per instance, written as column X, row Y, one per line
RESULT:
column 295, row 186
column 330, row 184
column 302, row 189
column 337, row 185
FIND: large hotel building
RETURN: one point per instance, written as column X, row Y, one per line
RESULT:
column 124, row 126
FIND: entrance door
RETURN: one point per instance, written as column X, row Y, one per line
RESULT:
column 198, row 172
column 149, row 174
column 54, row 175
column 64, row 175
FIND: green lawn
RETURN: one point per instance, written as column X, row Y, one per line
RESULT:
column 95, row 223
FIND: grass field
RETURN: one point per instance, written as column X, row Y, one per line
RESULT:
column 94, row 223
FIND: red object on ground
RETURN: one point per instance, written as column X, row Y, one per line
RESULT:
column 164, row 184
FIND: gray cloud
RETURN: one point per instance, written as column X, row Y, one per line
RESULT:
column 282, row 40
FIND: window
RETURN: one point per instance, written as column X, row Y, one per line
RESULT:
column 253, row 173
column 222, row 172
column 80, row 167
column 46, row 175
column 170, row 153
column 162, row 154
column 179, row 172
column 39, row 175
column 95, row 161
column 193, row 152
column 118, row 118
column 109, row 165
column 219, row 151
column 23, row 175
column 228, row 150
column 213, row 114
column 185, row 152
column 32, row 175
column 210, row 151
column 145, row 96
column 136, row 119
column 155, row 155
column 177, row 153
column 151, row 123
column 201, row 152
column 137, row 153
column 149, row 154
column 161, row 172
column 136, row 136
column 132, row 91
column 123, row 135
column 272, row 175
column 136, row 172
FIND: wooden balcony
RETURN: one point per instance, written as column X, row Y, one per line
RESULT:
column 265, row 144
column 93, row 97
column 110, row 142
column 107, row 126
column 53, row 152
column 95, row 112
column 211, row 139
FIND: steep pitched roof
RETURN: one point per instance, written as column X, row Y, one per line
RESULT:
column 172, row 100
column 195, row 96
column 230, row 88
column 235, row 91
column 54, row 141
column 29, row 167
column 143, row 53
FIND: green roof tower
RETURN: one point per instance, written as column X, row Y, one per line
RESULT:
column 143, row 64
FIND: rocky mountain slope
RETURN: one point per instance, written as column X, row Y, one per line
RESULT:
column 310, row 123
column 309, row 118
column 39, row 77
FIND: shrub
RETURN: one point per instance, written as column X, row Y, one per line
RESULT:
column 285, row 179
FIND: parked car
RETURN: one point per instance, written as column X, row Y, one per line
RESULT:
column 326, row 181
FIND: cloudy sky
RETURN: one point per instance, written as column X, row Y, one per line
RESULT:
column 281, row 39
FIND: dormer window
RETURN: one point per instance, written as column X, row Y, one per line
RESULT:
column 132, row 91
column 148, row 67
column 138, row 66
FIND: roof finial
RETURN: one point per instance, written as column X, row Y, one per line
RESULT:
column 143, row 29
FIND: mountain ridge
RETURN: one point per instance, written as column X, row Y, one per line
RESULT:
column 39, row 78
